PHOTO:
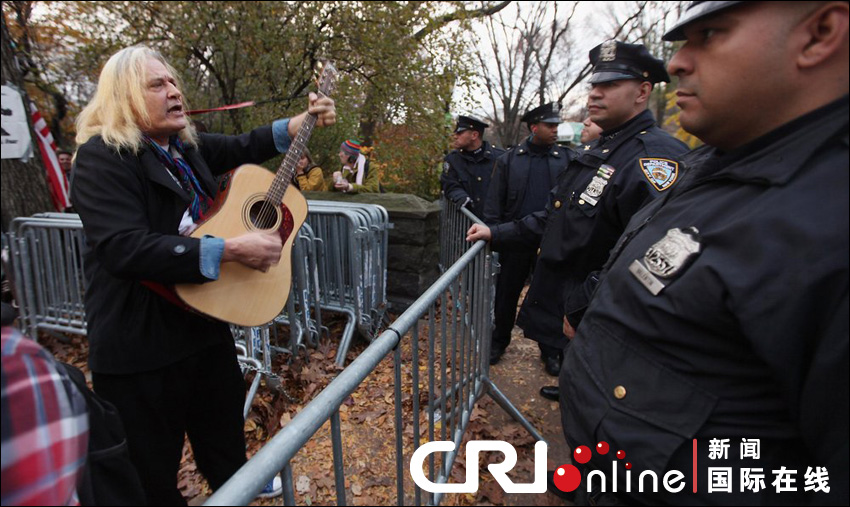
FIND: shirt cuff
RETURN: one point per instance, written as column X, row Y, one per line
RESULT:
column 212, row 250
column 280, row 132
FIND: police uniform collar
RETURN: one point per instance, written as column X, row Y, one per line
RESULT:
column 608, row 135
column 774, row 158
column 476, row 153
column 538, row 149
column 604, row 147
column 526, row 148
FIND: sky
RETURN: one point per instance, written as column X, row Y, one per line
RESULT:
column 591, row 25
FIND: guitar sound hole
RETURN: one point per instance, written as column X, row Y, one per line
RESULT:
column 263, row 215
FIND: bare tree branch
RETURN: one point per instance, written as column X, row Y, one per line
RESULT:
column 585, row 71
column 437, row 23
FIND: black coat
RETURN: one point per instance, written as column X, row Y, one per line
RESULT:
column 723, row 313
column 131, row 208
column 508, row 187
column 579, row 227
column 467, row 175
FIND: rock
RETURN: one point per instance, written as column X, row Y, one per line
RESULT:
column 413, row 249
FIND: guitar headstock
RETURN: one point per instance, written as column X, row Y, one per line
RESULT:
column 327, row 78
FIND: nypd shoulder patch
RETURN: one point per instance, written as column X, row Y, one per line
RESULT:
column 661, row 172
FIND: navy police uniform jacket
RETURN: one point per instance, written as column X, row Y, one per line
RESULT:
column 723, row 314
column 508, row 189
column 588, row 210
column 466, row 174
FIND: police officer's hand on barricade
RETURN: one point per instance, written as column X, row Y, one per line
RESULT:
column 477, row 232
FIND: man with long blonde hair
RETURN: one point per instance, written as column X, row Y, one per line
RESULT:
column 144, row 179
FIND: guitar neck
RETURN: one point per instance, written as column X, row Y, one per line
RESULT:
column 287, row 168
column 293, row 155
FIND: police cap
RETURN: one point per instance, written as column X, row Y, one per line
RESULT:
column 469, row 123
column 694, row 12
column 613, row 60
column 547, row 113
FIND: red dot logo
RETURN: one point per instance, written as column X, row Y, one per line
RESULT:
column 567, row 477
column 581, row 454
column 621, row 454
column 602, row 447
column 628, row 466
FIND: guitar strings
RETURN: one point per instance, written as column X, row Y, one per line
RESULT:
column 272, row 201
column 269, row 207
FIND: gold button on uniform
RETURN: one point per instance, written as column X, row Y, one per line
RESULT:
column 581, row 201
column 479, row 178
column 619, row 392
column 557, row 204
column 538, row 251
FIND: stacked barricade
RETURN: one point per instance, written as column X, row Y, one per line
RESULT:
column 340, row 267
column 45, row 253
column 47, row 272
column 442, row 376
column 352, row 264
column 302, row 314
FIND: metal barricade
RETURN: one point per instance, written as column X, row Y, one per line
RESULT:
column 456, row 315
column 453, row 226
column 341, row 266
column 46, row 255
column 302, row 314
column 352, row 264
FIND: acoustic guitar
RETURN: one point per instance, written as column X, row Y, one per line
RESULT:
column 256, row 200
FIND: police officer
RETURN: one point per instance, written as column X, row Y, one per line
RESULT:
column 610, row 179
column 468, row 168
column 722, row 313
column 522, row 179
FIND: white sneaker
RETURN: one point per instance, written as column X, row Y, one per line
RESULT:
column 273, row 489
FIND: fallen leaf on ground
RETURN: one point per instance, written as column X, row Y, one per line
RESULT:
column 302, row 484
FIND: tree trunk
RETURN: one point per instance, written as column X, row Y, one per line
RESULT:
column 661, row 105
column 25, row 188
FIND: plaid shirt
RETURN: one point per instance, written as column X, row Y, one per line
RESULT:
column 45, row 427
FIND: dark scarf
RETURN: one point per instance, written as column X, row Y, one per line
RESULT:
column 182, row 171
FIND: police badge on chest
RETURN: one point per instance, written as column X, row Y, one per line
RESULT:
column 667, row 259
column 597, row 185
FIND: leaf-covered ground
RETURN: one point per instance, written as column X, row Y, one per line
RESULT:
column 368, row 428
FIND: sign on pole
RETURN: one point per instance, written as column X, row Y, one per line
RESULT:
column 16, row 134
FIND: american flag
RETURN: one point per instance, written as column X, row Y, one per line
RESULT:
column 55, row 177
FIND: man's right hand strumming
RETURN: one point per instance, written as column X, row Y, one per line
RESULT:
column 257, row 250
